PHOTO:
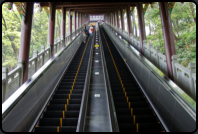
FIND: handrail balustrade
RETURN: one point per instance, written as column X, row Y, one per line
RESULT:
column 13, row 80
column 183, row 77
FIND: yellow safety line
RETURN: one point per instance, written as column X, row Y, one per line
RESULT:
column 58, row 129
column 63, row 114
column 137, row 127
column 65, row 107
column 134, row 119
column 61, row 122
column 131, row 111
column 117, row 71
column 73, row 84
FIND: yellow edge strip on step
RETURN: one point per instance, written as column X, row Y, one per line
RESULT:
column 61, row 123
column 134, row 119
column 119, row 76
column 58, row 129
column 137, row 127
column 67, row 101
column 131, row 111
column 65, row 107
column 63, row 114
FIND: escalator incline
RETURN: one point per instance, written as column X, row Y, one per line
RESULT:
column 133, row 111
column 62, row 112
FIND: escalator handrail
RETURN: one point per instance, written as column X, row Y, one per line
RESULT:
column 83, row 107
column 114, row 121
column 21, row 91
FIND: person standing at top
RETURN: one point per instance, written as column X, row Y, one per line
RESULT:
column 90, row 31
column 85, row 27
column 92, row 28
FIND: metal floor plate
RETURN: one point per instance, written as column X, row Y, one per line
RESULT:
column 98, row 114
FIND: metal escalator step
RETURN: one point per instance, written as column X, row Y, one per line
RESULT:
column 64, row 101
column 59, row 114
column 66, row 96
column 141, row 127
column 57, row 122
column 54, row 129
column 67, row 91
column 136, row 119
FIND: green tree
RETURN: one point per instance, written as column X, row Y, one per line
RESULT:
column 39, row 31
column 11, row 31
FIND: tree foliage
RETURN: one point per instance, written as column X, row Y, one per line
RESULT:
column 183, row 19
column 11, row 33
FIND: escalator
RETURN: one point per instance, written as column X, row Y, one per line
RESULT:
column 134, row 114
column 62, row 112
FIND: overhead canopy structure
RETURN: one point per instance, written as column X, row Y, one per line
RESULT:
column 91, row 7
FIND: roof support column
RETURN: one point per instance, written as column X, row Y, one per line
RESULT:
column 117, row 17
column 83, row 19
column 109, row 18
column 141, row 25
column 51, row 27
column 63, row 25
column 122, row 19
column 128, row 11
column 70, row 24
column 115, row 22
column 25, row 38
column 168, row 36
column 79, row 20
column 113, row 19
column 75, row 22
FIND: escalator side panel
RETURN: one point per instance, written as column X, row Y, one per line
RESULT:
column 25, row 112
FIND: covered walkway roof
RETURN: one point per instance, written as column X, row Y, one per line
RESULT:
column 91, row 7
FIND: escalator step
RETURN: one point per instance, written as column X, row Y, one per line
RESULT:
column 65, row 96
column 136, row 119
column 133, row 111
column 54, row 129
column 61, row 107
column 57, row 122
column 67, row 91
column 142, row 127
column 64, row 101
column 59, row 114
